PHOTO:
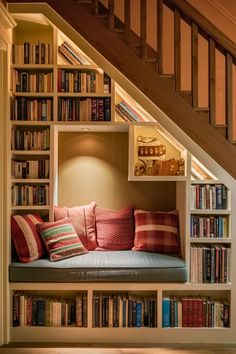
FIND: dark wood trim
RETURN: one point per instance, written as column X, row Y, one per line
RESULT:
column 194, row 54
column 143, row 29
column 95, row 7
column 160, row 36
column 177, row 50
column 111, row 15
column 209, row 28
column 212, row 81
column 127, row 20
column 229, row 96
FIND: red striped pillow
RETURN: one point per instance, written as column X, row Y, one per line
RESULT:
column 61, row 240
column 115, row 229
column 28, row 243
column 157, row 231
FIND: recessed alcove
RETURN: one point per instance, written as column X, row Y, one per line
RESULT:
column 94, row 166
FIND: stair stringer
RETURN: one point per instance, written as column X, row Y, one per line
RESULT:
column 151, row 92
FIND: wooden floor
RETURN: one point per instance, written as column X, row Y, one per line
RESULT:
column 173, row 349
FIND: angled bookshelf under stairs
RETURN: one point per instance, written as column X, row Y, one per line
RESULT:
column 59, row 96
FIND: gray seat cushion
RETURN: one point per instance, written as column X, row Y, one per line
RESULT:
column 103, row 266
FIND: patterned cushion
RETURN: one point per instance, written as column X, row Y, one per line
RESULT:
column 157, row 231
column 61, row 240
column 115, row 229
column 83, row 219
column 27, row 242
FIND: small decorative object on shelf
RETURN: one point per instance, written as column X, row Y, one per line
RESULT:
column 151, row 159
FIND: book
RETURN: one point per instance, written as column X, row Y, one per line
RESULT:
column 166, row 312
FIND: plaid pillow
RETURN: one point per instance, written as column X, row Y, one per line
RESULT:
column 157, row 231
column 61, row 240
column 25, row 237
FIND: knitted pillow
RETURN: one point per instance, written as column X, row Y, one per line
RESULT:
column 27, row 242
column 83, row 219
column 61, row 240
column 157, row 231
column 115, row 229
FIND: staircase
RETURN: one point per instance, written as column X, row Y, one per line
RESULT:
column 98, row 22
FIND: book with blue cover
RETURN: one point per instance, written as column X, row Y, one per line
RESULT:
column 166, row 312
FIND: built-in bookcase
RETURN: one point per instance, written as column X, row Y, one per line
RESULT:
column 56, row 87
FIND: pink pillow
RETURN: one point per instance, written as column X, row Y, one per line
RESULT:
column 115, row 229
column 27, row 241
column 83, row 219
column 157, row 231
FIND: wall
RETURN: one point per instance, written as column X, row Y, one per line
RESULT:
column 95, row 167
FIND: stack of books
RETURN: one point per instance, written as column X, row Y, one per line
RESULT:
column 70, row 55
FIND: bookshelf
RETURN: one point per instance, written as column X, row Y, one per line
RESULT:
column 64, row 87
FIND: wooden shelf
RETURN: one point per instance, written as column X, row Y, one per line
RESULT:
column 30, row 152
column 30, row 180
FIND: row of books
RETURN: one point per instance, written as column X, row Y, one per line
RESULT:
column 37, row 140
column 84, row 82
column 31, row 109
column 70, row 55
column 24, row 194
column 124, row 310
column 32, row 81
column 84, row 109
column 28, row 53
column 128, row 113
column 195, row 311
column 209, row 226
column 210, row 264
column 208, row 196
column 30, row 169
column 33, row 310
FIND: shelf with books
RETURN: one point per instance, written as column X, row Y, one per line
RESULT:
column 84, row 109
column 83, row 80
column 30, row 81
column 30, row 139
column 49, row 309
column 30, row 169
column 124, row 309
column 30, row 107
column 196, row 309
column 26, row 194
column 210, row 263
column 212, row 197
column 208, row 226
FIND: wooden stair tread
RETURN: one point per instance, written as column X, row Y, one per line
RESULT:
column 119, row 30
column 151, row 60
column 202, row 109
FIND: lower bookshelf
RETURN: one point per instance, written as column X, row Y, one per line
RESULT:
column 95, row 321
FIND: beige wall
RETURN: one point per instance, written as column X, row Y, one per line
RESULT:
column 94, row 166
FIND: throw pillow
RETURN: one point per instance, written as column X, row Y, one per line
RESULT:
column 115, row 229
column 61, row 240
column 157, row 231
column 27, row 242
column 83, row 219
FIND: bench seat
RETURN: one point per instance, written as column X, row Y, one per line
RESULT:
column 103, row 266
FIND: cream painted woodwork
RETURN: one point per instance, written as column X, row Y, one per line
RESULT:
column 179, row 196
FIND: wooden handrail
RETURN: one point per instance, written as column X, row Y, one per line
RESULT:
column 211, row 30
